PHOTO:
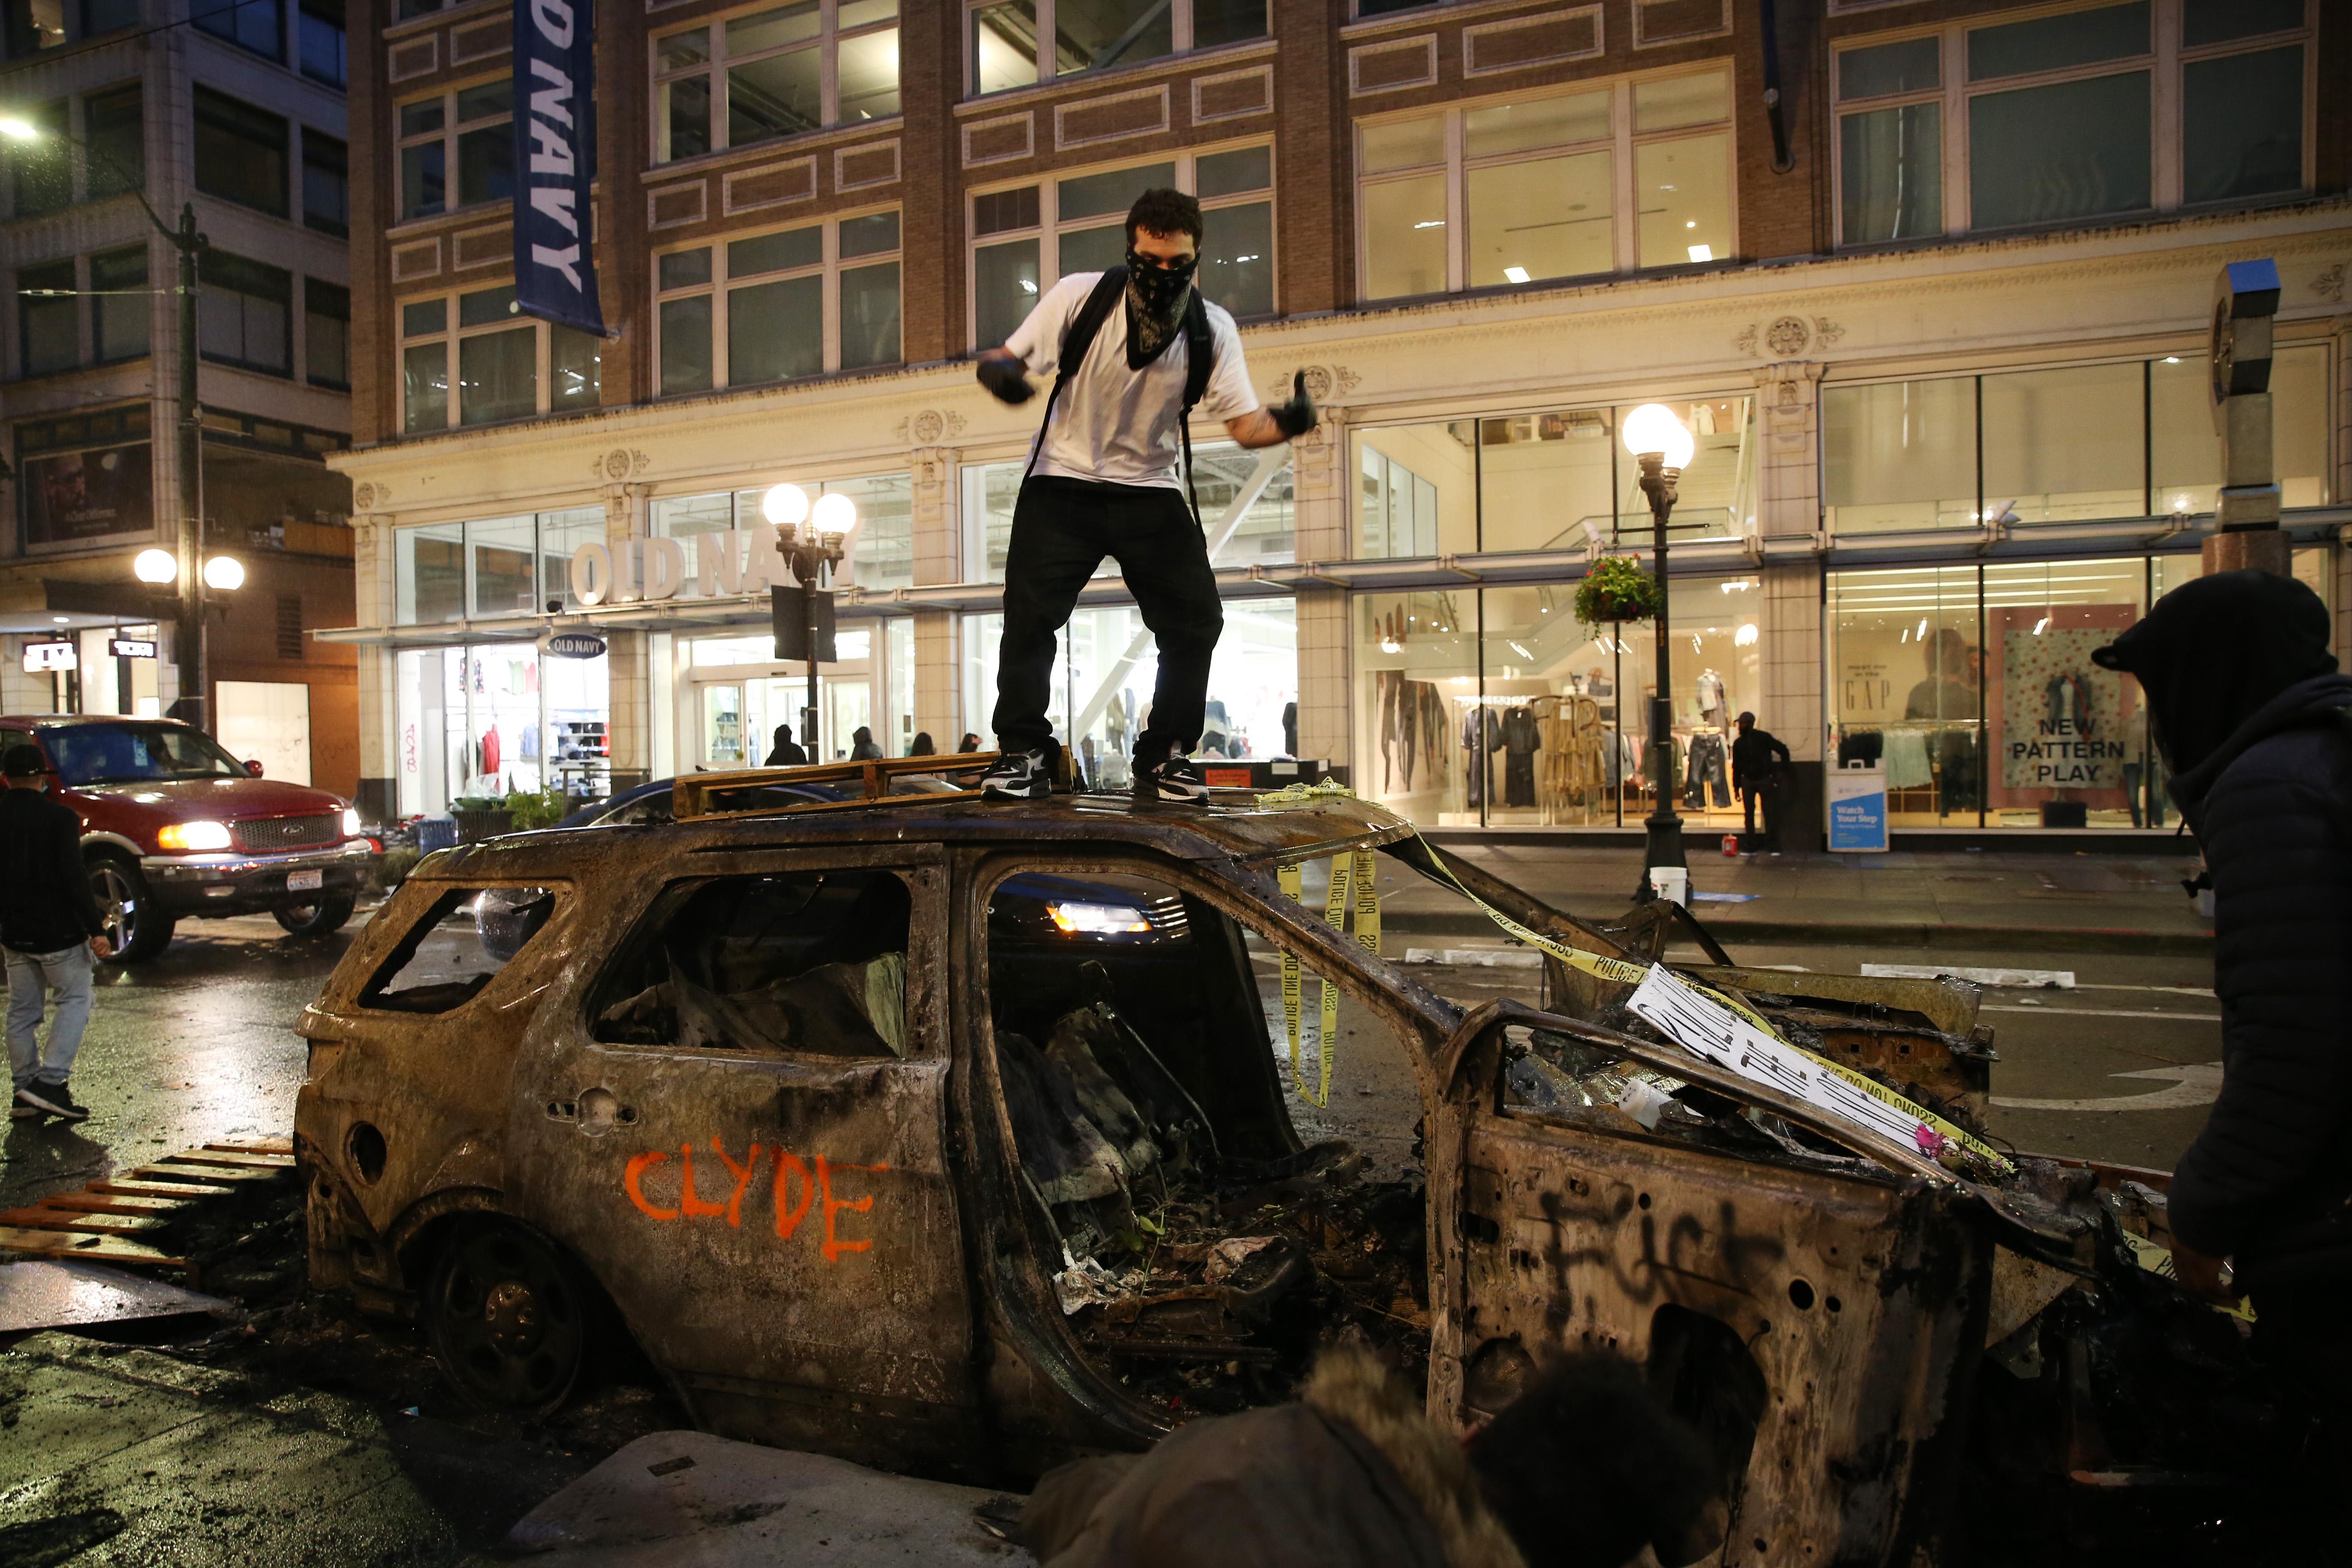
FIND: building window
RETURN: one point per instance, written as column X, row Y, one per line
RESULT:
column 781, row 306
column 1027, row 237
column 240, row 152
column 1005, row 39
column 507, row 365
column 107, row 16
column 470, row 128
column 34, row 26
column 244, row 313
column 2063, row 444
column 112, row 126
column 326, row 334
column 49, row 327
column 325, row 184
column 2061, row 118
column 1606, row 179
column 42, row 170
column 759, row 75
column 249, row 24
column 325, row 53
column 121, row 307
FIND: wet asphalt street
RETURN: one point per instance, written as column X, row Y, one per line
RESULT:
column 194, row 1046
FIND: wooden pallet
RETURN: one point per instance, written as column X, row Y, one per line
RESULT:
column 98, row 1223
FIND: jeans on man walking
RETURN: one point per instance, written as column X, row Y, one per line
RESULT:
column 31, row 976
column 1061, row 528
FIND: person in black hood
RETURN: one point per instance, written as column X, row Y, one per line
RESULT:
column 2256, row 720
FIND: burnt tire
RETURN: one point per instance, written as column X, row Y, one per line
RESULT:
column 136, row 926
column 328, row 913
column 510, row 1318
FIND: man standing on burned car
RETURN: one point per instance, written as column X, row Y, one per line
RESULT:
column 1132, row 351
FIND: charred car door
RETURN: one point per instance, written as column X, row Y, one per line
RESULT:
column 1813, row 1302
column 737, row 1123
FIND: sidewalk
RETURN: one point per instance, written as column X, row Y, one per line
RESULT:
column 1952, row 902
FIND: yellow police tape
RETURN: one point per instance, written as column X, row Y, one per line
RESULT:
column 1358, row 871
column 1615, row 969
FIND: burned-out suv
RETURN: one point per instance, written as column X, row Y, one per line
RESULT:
column 174, row 827
column 965, row 1138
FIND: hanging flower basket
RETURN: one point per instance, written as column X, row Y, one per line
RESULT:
column 1616, row 590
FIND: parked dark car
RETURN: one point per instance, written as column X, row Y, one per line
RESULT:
column 174, row 827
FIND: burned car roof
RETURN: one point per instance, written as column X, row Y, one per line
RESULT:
column 1236, row 826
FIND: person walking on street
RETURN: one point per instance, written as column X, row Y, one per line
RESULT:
column 861, row 748
column 785, row 754
column 1757, row 758
column 1132, row 350
column 2255, row 723
column 52, row 928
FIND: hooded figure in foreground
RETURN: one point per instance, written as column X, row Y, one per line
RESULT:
column 2256, row 723
column 1581, row 1471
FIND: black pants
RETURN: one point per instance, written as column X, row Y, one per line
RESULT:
column 1768, row 796
column 1061, row 528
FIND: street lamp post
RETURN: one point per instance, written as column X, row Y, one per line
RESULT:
column 189, row 641
column 810, row 538
column 1662, row 445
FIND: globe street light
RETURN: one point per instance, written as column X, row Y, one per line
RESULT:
column 810, row 538
column 224, row 573
column 157, row 568
column 1661, row 445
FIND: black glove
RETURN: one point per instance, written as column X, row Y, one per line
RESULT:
column 1007, row 379
column 1297, row 417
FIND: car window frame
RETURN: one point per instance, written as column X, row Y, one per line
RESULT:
column 922, row 1017
column 365, row 996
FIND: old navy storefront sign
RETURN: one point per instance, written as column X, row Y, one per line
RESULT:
column 576, row 645
column 555, row 161
column 729, row 562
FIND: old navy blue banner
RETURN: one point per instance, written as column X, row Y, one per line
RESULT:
column 555, row 159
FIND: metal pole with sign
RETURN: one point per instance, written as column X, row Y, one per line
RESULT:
column 2246, row 513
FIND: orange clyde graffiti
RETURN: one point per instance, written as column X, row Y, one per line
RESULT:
column 817, row 1189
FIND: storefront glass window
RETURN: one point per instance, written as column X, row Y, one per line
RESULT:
column 1899, row 456
column 1717, row 491
column 477, row 723
column 429, row 574
column 1417, row 491
column 1717, row 644
column 559, row 534
column 1108, row 664
column 882, row 550
column 501, row 551
column 2065, row 742
column 1905, row 675
column 1544, row 479
column 899, row 641
column 2076, row 442
column 1262, row 533
column 2060, row 445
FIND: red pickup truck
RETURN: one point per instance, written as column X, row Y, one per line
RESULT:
column 173, row 826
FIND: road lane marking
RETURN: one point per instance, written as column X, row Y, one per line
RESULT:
column 2193, row 1084
column 2100, row 1013
column 2061, row 979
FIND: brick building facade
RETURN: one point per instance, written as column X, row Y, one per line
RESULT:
column 1927, row 279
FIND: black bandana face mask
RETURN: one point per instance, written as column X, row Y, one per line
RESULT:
column 1160, row 289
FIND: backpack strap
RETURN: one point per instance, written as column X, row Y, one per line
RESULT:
column 1077, row 342
column 1200, row 358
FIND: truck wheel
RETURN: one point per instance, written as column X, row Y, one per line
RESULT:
column 136, row 926
column 507, row 1316
column 328, row 915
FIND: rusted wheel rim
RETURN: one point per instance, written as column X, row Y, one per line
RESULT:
column 508, row 1319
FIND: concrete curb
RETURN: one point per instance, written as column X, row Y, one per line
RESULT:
column 1905, row 934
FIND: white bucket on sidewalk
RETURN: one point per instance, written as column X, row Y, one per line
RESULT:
column 1671, row 882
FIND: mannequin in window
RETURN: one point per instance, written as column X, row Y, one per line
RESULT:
column 1711, row 700
column 1522, row 738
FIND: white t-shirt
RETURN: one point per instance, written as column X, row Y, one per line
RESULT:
column 1118, row 425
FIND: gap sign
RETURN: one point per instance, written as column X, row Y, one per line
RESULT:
column 555, row 159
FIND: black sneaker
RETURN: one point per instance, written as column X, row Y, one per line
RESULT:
column 22, row 1108
column 1019, row 775
column 1173, row 779
column 56, row 1098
